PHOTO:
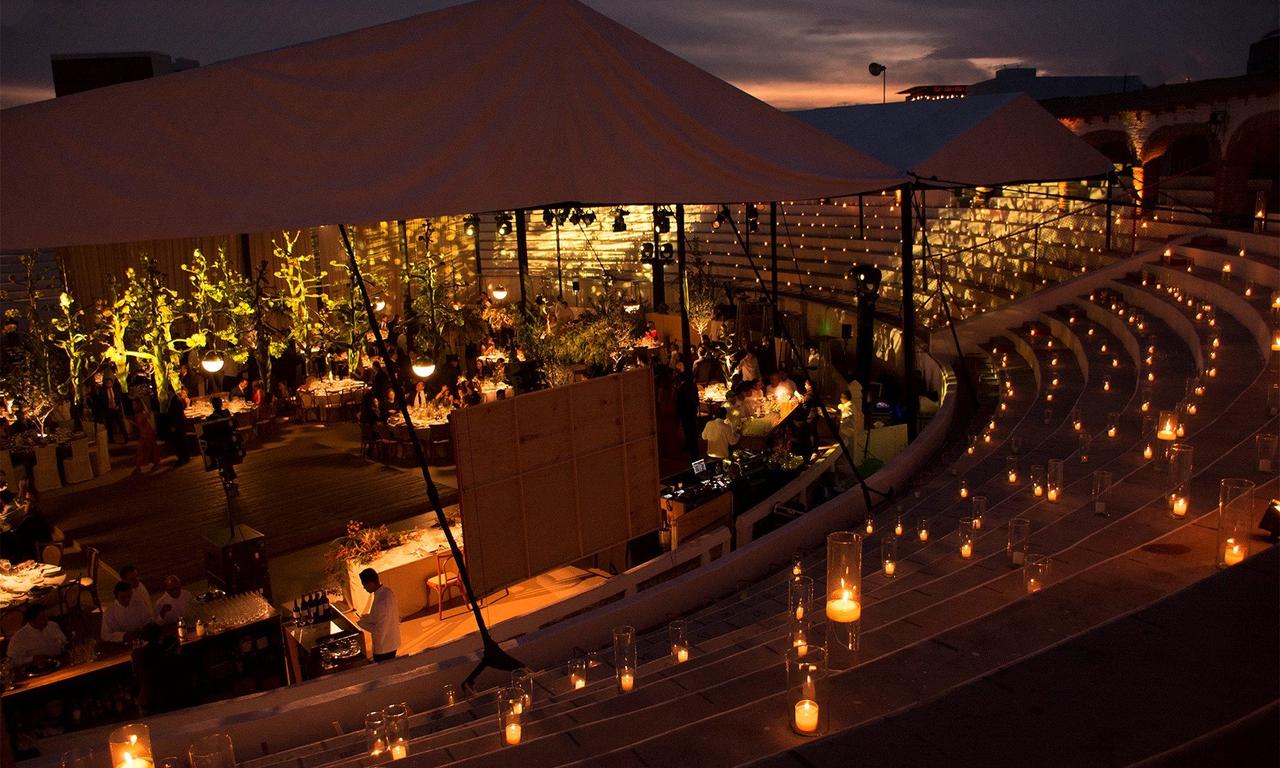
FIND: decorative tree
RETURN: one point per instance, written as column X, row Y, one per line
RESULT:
column 222, row 304
column 703, row 296
column 72, row 331
column 303, row 300
column 142, row 325
column 346, row 323
column 26, row 384
column 437, row 308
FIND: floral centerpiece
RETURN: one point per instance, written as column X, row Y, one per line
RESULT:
column 361, row 545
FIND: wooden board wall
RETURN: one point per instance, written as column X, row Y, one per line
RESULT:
column 551, row 477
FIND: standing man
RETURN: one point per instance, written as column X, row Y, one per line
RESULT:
column 383, row 619
column 177, row 426
column 720, row 435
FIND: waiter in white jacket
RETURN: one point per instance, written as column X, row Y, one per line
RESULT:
column 383, row 619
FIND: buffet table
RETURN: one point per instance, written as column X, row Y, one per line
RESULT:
column 404, row 568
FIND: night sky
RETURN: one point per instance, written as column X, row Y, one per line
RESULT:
column 791, row 53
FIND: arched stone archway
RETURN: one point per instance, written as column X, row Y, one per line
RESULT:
column 1114, row 144
column 1188, row 152
column 1250, row 165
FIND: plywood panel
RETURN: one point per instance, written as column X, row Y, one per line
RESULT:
column 548, row 478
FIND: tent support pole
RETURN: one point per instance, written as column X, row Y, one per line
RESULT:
column 1111, row 175
column 908, row 315
column 689, row 392
column 862, row 222
column 559, row 269
column 773, row 267
column 246, row 259
column 404, row 269
column 479, row 266
column 522, row 258
column 492, row 655
column 659, row 279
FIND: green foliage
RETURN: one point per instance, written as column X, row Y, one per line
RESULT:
column 437, row 305
column 303, row 301
column 704, row 293
column 142, row 325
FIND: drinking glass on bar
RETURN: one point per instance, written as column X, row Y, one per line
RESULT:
column 1101, row 492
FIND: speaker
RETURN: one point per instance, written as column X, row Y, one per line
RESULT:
column 236, row 560
column 846, row 331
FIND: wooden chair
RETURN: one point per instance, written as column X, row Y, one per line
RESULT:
column 78, row 469
column 247, row 426
column 440, row 445
column 89, row 580
column 45, row 473
column 445, row 580
column 50, row 553
column 386, row 444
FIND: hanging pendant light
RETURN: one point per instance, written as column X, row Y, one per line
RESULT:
column 212, row 361
column 423, row 367
column 499, row 292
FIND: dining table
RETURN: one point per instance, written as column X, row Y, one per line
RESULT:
column 21, row 583
column 201, row 408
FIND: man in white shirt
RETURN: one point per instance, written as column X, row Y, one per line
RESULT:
column 719, row 434
column 174, row 602
column 38, row 639
column 129, row 574
column 383, row 619
column 125, row 616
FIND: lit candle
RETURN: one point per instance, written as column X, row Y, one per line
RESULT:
column 807, row 716
column 977, row 523
column 579, row 682
column 968, row 450
column 1213, row 373
column 1013, row 476
column 1111, row 431
column 1181, row 431
column 518, row 708
column 842, row 608
column 986, row 438
column 801, row 645
column 1179, row 506
column 1146, row 405
column 512, row 734
column 1037, row 489
column 682, row 653
column 924, row 534
column 400, row 750
column 964, row 492
column 1167, row 432
column 1233, row 554
column 966, row 550
column 897, row 529
column 1033, row 586
column 871, row 528
column 1077, row 425
column 1053, row 495
column 130, row 761
column 627, row 681
column 890, row 567
column 1147, row 453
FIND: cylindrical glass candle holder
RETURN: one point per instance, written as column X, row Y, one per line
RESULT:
column 396, row 717
column 1266, row 445
column 964, row 488
column 807, row 708
column 130, row 746
column 450, row 693
column 1235, row 520
column 1053, row 480
column 1101, row 492
column 889, row 555
column 375, row 734
column 922, row 530
column 870, row 526
column 899, row 526
column 1077, row 420
column 1019, row 539
column 212, row 751
column 844, row 588
column 797, row 564
column 800, row 600
column 510, row 716
column 624, row 658
column 1085, row 443
column 578, row 673
column 1178, row 493
column 979, row 512
column 678, row 635
column 1113, row 425
column 1167, row 426
column 1036, row 477
column 1011, row 469
column 1035, row 573
column 522, row 678
column 965, row 537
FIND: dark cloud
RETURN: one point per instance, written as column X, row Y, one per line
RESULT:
column 789, row 51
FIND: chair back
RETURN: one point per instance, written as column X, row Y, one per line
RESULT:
column 71, row 597
column 92, row 571
column 307, row 399
column 10, row 621
column 77, row 468
column 446, row 565
column 46, row 468
column 51, row 554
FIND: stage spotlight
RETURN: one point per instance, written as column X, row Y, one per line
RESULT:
column 722, row 216
column 575, row 216
column 866, row 279
column 548, row 217
column 503, row 220
column 620, row 220
column 662, row 220
column 588, row 217
column 471, row 225
column 668, row 253
column 646, row 251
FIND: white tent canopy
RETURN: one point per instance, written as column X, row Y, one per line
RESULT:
column 974, row 141
column 493, row 105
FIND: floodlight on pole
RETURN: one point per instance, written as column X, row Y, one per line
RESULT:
column 878, row 70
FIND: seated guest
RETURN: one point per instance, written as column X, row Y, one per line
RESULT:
column 174, row 602
column 370, row 409
column 242, row 390
column 720, row 435
column 129, row 575
column 472, row 395
column 124, row 617
column 38, row 639
column 388, row 405
column 443, row 398
column 420, row 398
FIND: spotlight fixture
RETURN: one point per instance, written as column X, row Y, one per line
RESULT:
column 662, row 220
column 866, row 279
column 212, row 361
column 620, row 220
column 878, row 70
column 646, row 251
column 753, row 219
column 503, row 220
column 498, row 292
column 587, row 216
column 668, row 253
column 423, row 367
column 722, row 216
column 471, row 225
column 548, row 217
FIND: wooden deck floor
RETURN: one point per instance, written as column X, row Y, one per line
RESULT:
column 299, row 489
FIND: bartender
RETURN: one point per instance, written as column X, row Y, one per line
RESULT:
column 383, row 619
column 720, row 434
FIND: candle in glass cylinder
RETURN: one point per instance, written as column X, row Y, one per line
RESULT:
column 682, row 655
column 1147, row 453
column 399, row 750
column 626, row 681
column 1053, row 494
column 897, row 528
column 842, row 607
column 1037, row 490
column 1013, row 476
column 1033, row 586
column 579, row 682
column 511, row 734
column 130, row 746
column 923, row 533
column 806, row 716
column 1168, row 430
column 890, row 567
column 1233, row 554
column 966, row 550
column 1179, row 506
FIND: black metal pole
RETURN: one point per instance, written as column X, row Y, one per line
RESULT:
column 479, row 264
column 862, row 222
column 686, row 353
column 246, row 259
column 773, row 267
column 492, row 656
column 522, row 258
column 407, row 299
column 1111, row 175
column 659, row 278
column 559, row 270
column 909, row 315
